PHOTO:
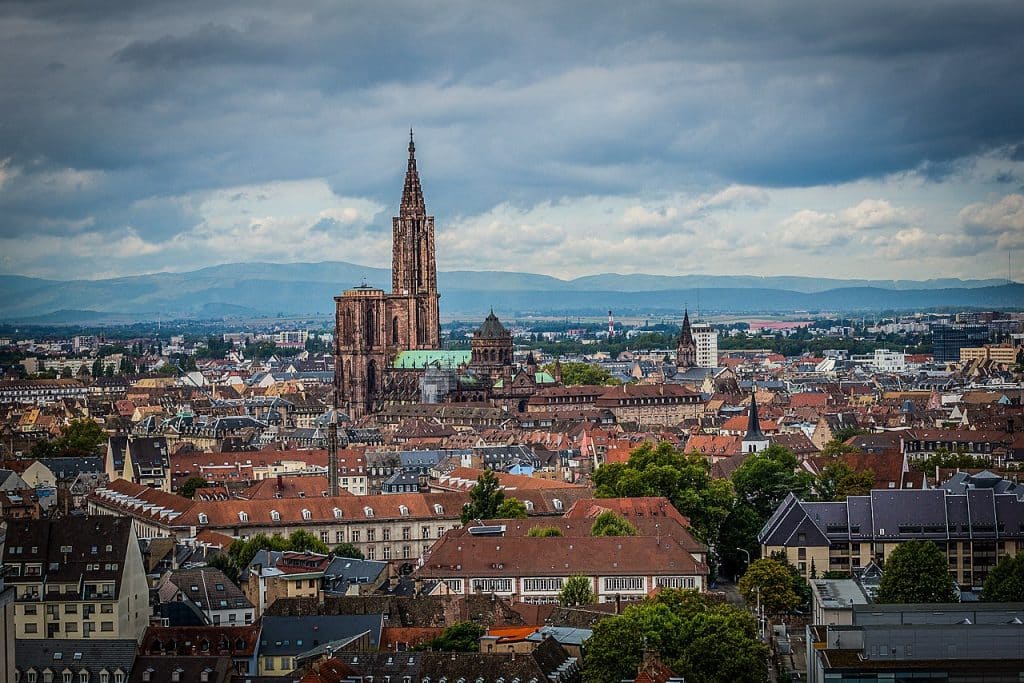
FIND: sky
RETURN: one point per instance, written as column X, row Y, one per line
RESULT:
column 864, row 139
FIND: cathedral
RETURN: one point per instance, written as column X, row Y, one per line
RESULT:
column 385, row 343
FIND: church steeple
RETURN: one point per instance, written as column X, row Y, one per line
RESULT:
column 754, row 441
column 412, row 193
column 686, row 350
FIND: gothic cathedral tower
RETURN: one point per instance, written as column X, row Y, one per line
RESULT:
column 686, row 350
column 371, row 327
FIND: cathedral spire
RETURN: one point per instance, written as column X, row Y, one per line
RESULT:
column 686, row 334
column 753, row 422
column 412, row 193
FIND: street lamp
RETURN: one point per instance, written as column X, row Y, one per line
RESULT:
column 745, row 552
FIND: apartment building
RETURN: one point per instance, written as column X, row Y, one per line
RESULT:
column 975, row 528
column 214, row 595
column 651, row 404
column 79, row 577
column 528, row 569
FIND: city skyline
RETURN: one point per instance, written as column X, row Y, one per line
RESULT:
column 864, row 142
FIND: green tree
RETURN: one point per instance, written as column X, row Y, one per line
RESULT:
column 835, row 448
column 1005, row 583
column 947, row 460
column 303, row 540
column 858, row 483
column 222, row 562
column 916, row 571
column 84, row 435
column 739, row 530
column 577, row 590
column 484, row 498
column 45, row 449
column 97, row 368
column 769, row 581
column 844, row 433
column 582, row 373
column 188, row 489
column 713, row 643
column 685, row 479
column 765, row 478
column 347, row 550
column 544, row 532
column 463, row 636
column 610, row 524
column 511, row 508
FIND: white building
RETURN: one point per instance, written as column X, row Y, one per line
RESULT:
column 706, row 339
column 889, row 361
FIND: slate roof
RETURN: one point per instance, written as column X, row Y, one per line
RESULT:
column 168, row 669
column 67, row 469
column 290, row 636
column 207, row 587
column 345, row 571
column 92, row 654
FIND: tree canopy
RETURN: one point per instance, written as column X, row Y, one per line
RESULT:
column 462, row 636
column 511, row 508
column 765, row 478
column 769, row 581
column 347, row 550
column 188, row 489
column 544, row 532
column 700, row 641
column 610, row 524
column 577, row 590
column 78, row 437
column 485, row 498
column 1005, row 583
column 916, row 571
column 241, row 552
column 838, row 480
column 582, row 373
column 685, row 479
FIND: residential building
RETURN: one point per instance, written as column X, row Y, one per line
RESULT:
column 651, row 404
column 219, row 600
column 285, row 639
column 975, row 529
column 706, row 339
column 528, row 569
column 208, row 669
column 139, row 459
column 76, row 660
column 79, row 577
column 1004, row 354
column 240, row 643
column 274, row 574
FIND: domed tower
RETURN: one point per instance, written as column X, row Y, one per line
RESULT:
column 492, row 349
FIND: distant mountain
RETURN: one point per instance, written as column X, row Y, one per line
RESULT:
column 252, row 289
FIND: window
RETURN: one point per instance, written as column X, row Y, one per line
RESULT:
column 70, row 608
column 541, row 585
column 492, row 585
column 83, row 677
column 406, row 533
column 65, row 676
column 386, row 534
column 440, row 531
column 107, row 608
column 387, row 552
column 107, row 626
column 324, row 536
column 426, row 532
column 454, row 585
column 368, row 511
column 70, row 627
column 275, row 516
column 30, row 609
column 31, row 628
column 371, row 535
column 438, row 509
column 355, row 535
column 403, row 510
column 675, row 582
column 243, row 517
column 624, row 583
column 270, row 664
column 306, row 514
column 337, row 513
column 371, row 552
column 31, row 676
column 203, row 519
column 339, row 536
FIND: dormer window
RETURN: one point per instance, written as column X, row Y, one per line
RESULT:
column 203, row 519
column 558, row 504
column 337, row 513
column 438, row 509
column 243, row 517
column 403, row 510
column 275, row 516
column 306, row 514
column 529, row 505
column 368, row 511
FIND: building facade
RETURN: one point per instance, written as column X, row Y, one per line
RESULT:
column 371, row 327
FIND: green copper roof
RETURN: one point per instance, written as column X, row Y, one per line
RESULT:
column 539, row 378
column 415, row 360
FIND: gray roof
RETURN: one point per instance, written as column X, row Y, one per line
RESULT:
column 290, row 636
column 91, row 654
column 68, row 469
column 344, row 571
column 895, row 515
column 563, row 634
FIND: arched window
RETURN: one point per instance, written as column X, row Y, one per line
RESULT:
column 307, row 515
column 370, row 332
column 275, row 516
column 243, row 517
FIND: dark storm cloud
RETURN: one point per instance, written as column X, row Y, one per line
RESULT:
column 519, row 102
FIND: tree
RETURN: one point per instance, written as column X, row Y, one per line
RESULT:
column 97, row 368
column 857, row 483
column 1005, row 583
column 347, row 550
column 511, row 508
column 915, row 572
column 769, row 581
column 685, row 479
column 484, row 498
column 463, row 636
column 700, row 641
column 84, row 435
column 946, row 460
column 577, row 590
column 765, row 478
column 610, row 524
column 835, row 448
column 544, row 532
column 844, row 433
column 739, row 530
column 582, row 373
column 222, row 562
column 188, row 489
column 301, row 540
column 838, row 480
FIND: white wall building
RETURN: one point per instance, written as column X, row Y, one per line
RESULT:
column 889, row 361
column 706, row 339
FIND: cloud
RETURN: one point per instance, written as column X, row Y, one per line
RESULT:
column 1000, row 223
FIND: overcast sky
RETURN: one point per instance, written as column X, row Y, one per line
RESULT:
column 854, row 139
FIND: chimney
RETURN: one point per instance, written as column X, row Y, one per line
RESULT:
column 280, row 482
